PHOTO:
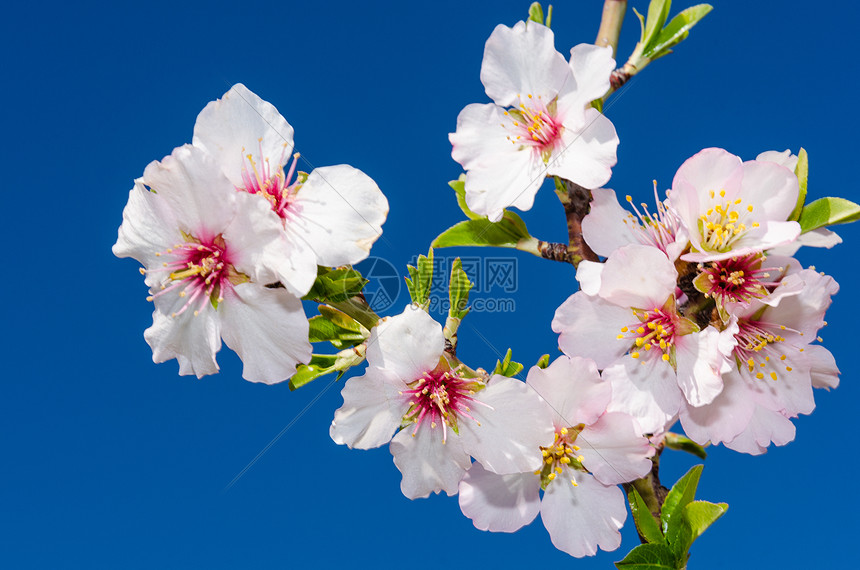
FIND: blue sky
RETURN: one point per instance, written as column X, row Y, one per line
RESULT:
column 108, row 460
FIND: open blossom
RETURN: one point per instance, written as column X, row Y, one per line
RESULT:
column 330, row 217
column 591, row 452
column 443, row 413
column 608, row 226
column 732, row 208
column 775, row 368
column 206, row 250
column 541, row 124
column 625, row 318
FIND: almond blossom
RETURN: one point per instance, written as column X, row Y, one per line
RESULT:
column 775, row 368
column 329, row 217
column 625, row 318
column 732, row 208
column 541, row 122
column 207, row 253
column 442, row 414
column 591, row 452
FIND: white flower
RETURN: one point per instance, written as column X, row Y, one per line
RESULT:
column 443, row 415
column 331, row 218
column 205, row 248
column 592, row 451
column 625, row 319
column 731, row 208
column 541, row 124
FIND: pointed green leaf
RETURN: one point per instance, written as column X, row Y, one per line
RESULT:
column 646, row 524
column 801, row 170
column 320, row 365
column 333, row 285
column 828, row 212
column 421, row 279
column 458, row 291
column 459, row 187
column 681, row 495
column 677, row 30
column 696, row 518
column 543, row 361
column 339, row 318
column 681, row 443
column 536, row 13
column 507, row 367
column 507, row 232
column 658, row 12
column 649, row 557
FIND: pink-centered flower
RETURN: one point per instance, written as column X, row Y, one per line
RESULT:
column 591, row 452
column 207, row 252
column 732, row 208
column 625, row 318
column 444, row 414
column 329, row 217
column 775, row 367
column 541, row 123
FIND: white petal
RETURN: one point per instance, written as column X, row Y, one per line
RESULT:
column 427, row 464
column 572, row 389
column 522, row 60
column 825, row 373
column 199, row 195
column 408, row 344
column 588, row 275
column 499, row 503
column 512, row 423
column 771, row 189
column 821, row 237
column 584, row 517
column 614, row 450
column 645, row 388
column 591, row 66
column 503, row 181
column 480, row 135
column 710, row 169
column 588, row 151
column 193, row 341
column 784, row 158
column 725, row 417
column 766, row 427
column 608, row 226
column 267, row 328
column 238, row 124
column 700, row 361
column 589, row 327
column 372, row 409
column 339, row 212
column 638, row 276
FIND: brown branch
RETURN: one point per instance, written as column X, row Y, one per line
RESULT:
column 577, row 203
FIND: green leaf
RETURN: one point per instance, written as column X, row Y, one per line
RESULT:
column 335, row 285
column 458, row 291
column 658, row 12
column 801, row 170
column 506, row 367
column 828, row 212
column 336, row 327
column 420, row 279
column 649, row 557
column 696, row 518
column 320, row 365
column 676, row 31
column 459, row 187
column 681, row 495
column 681, row 443
column 536, row 13
column 507, row 232
column 543, row 361
column 646, row 524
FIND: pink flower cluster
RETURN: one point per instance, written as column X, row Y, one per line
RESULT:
column 218, row 221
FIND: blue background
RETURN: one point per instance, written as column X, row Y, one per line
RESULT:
column 108, row 460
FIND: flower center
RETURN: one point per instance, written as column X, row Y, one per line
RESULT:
column 724, row 222
column 655, row 330
column 273, row 185
column 759, row 349
column 563, row 451
column 441, row 397
column 657, row 230
column 533, row 124
column 737, row 279
column 200, row 269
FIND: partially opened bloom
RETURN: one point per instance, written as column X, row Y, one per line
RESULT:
column 775, row 368
column 732, row 208
column 625, row 318
column 541, row 124
column 444, row 415
column 330, row 217
column 208, row 252
column 591, row 452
